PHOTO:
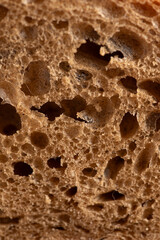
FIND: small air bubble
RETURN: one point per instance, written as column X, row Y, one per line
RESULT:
column 54, row 162
column 22, row 169
column 71, row 192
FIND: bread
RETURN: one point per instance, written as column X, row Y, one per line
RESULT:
column 79, row 120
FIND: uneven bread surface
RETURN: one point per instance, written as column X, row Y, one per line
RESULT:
column 79, row 120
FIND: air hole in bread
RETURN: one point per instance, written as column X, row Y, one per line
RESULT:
column 90, row 52
column 153, row 121
column 50, row 109
column 122, row 210
column 113, row 9
column 129, row 43
column 73, row 106
column 111, row 196
column 62, row 189
column 96, row 207
column 60, row 24
column 116, row 100
column 10, row 180
column 99, row 112
column 28, row 148
column 41, row 22
column 29, row 33
column 122, row 152
column 113, row 167
column 3, row 158
column 8, row 220
column 3, row 12
column 129, row 83
column 122, row 220
column 3, row 184
column 54, row 180
column 89, row 32
column 38, row 177
column 14, row 149
column 38, row 163
column 83, row 75
column 10, row 121
column 22, row 169
column 71, row 192
column 39, row 139
column 129, row 125
column 64, row 218
column 152, row 87
column 119, row 54
column 54, row 162
column 64, row 65
column 59, row 228
column 144, row 158
column 144, row 9
column 89, row 172
column 85, row 31
column 36, row 79
column 148, row 213
column 9, row 129
column 29, row 19
column 132, row 146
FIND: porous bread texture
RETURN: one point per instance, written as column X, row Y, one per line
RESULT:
column 79, row 120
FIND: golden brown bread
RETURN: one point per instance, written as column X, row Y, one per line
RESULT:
column 79, row 119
